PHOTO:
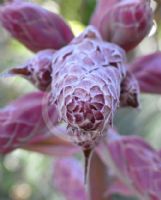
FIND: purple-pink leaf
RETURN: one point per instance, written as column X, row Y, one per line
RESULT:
column 117, row 187
column 34, row 26
column 52, row 145
column 159, row 153
column 24, row 119
column 147, row 70
column 37, row 70
column 125, row 23
column 68, row 179
column 135, row 163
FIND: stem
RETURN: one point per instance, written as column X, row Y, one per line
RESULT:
column 97, row 179
column 87, row 154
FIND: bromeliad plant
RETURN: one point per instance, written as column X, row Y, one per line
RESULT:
column 82, row 82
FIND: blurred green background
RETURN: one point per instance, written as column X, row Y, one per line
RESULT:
column 27, row 176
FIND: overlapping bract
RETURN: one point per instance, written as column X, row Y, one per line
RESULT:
column 86, row 85
column 34, row 26
column 38, row 70
column 147, row 70
column 68, row 179
column 22, row 120
column 125, row 23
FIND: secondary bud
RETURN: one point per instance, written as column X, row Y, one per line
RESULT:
column 35, row 27
column 129, row 91
column 125, row 23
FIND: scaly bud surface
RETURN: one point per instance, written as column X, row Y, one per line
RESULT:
column 86, row 85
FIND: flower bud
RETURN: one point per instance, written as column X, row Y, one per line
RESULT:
column 86, row 85
column 34, row 26
column 37, row 70
column 125, row 23
column 22, row 120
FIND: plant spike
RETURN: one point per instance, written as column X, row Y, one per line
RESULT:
column 87, row 75
column 86, row 85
